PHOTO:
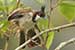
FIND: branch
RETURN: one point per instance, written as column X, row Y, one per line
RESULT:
column 49, row 13
column 47, row 30
column 63, row 44
column 6, row 45
column 17, row 5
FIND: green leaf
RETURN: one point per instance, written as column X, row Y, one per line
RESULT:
column 49, row 39
column 43, row 25
column 68, row 9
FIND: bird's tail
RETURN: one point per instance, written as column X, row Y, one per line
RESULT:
column 22, row 38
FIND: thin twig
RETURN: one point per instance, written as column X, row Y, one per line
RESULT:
column 47, row 30
column 50, row 13
column 63, row 44
column 6, row 44
column 17, row 5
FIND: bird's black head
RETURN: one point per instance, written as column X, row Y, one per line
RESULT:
column 39, row 14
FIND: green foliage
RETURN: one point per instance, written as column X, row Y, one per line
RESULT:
column 3, row 27
column 43, row 25
column 5, row 8
column 68, row 9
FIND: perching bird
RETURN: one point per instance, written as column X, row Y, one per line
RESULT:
column 26, row 20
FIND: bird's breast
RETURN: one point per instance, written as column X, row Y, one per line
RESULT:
column 27, row 25
column 26, row 22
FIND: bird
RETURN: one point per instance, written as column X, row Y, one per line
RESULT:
column 26, row 20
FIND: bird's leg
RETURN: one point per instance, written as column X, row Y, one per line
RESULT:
column 36, row 43
column 36, row 29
